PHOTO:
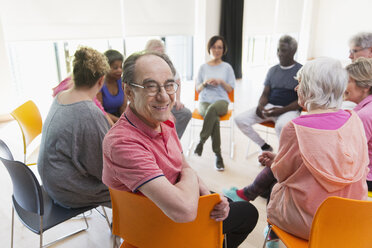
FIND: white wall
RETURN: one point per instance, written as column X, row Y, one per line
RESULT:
column 207, row 24
column 334, row 22
column 7, row 92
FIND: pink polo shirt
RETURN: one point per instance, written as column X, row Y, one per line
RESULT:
column 134, row 153
column 364, row 111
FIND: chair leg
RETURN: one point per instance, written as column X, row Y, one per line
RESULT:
column 267, row 236
column 12, row 231
column 69, row 235
column 232, row 140
column 106, row 217
column 41, row 232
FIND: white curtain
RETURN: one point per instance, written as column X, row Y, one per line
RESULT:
column 61, row 19
column 159, row 17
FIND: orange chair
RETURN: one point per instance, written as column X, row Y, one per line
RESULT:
column 29, row 119
column 142, row 224
column 338, row 222
column 227, row 117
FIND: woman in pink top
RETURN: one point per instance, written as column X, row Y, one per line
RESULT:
column 320, row 154
column 359, row 90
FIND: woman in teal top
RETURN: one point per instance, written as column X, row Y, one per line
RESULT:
column 215, row 80
column 112, row 95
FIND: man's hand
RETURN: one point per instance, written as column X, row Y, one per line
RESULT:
column 266, row 158
column 221, row 210
column 259, row 113
column 272, row 112
column 178, row 105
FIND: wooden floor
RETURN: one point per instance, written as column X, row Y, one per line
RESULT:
column 239, row 172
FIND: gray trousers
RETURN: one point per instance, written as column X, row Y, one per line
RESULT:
column 183, row 117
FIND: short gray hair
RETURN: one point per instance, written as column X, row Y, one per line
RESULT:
column 361, row 71
column 151, row 44
column 322, row 83
column 292, row 43
column 363, row 40
column 129, row 65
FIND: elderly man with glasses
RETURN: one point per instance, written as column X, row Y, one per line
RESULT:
column 142, row 153
column 360, row 46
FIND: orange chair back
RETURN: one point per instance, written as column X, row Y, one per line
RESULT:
column 231, row 96
column 29, row 119
column 142, row 224
column 338, row 222
column 341, row 222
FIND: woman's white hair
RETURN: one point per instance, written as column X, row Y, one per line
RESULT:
column 322, row 84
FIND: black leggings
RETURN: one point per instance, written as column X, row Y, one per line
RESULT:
column 241, row 221
column 369, row 183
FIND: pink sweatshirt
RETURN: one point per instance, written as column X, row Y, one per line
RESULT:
column 313, row 164
column 66, row 84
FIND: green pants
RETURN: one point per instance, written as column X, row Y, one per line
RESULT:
column 211, row 125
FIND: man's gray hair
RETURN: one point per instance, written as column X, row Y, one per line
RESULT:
column 363, row 40
column 322, row 83
column 129, row 65
column 292, row 43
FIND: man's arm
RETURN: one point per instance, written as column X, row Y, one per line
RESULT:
column 179, row 201
column 264, row 99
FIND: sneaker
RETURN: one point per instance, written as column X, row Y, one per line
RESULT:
column 271, row 243
column 231, row 193
column 267, row 147
column 219, row 163
column 199, row 149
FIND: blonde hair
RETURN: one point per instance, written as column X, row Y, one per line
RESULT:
column 88, row 66
column 361, row 71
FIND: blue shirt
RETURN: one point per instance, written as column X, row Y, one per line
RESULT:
column 211, row 93
column 111, row 103
column 282, row 84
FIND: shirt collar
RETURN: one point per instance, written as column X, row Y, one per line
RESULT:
column 133, row 119
column 363, row 103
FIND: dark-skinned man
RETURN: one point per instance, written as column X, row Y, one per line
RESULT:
column 278, row 101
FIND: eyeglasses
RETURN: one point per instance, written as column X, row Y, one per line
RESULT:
column 152, row 89
column 217, row 47
column 353, row 51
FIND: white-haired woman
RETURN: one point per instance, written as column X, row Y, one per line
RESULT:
column 320, row 153
column 359, row 91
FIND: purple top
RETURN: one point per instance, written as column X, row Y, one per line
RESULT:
column 325, row 121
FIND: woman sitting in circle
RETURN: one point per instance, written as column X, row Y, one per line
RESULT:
column 323, row 153
column 359, row 91
column 215, row 80
column 112, row 95
column 70, row 157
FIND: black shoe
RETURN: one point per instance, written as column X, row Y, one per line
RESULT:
column 199, row 149
column 267, row 147
column 219, row 163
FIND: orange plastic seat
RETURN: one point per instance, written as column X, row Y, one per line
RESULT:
column 142, row 224
column 338, row 222
column 29, row 119
column 227, row 117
